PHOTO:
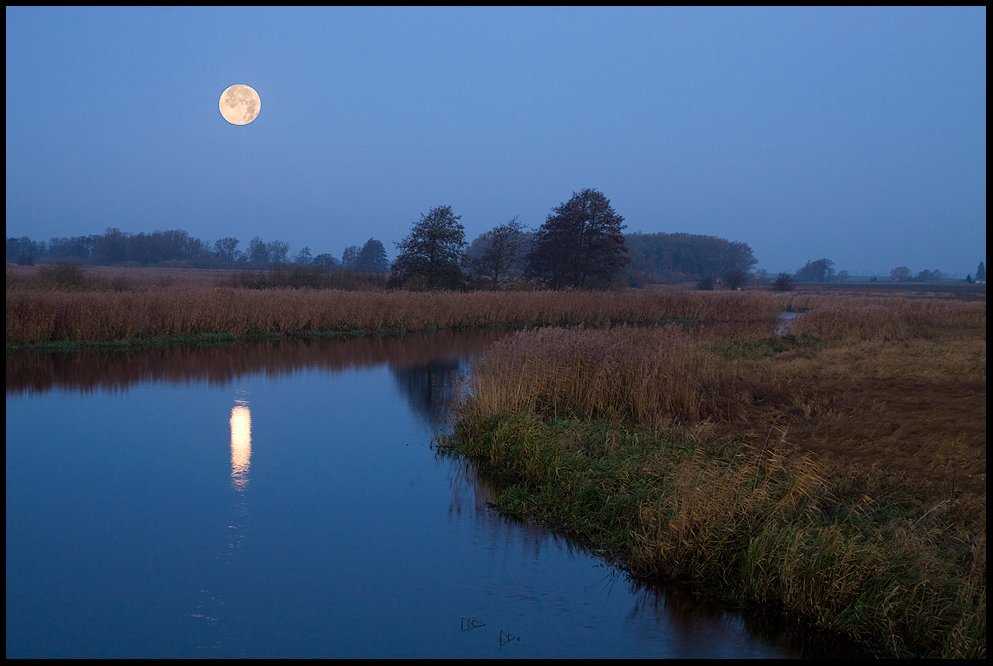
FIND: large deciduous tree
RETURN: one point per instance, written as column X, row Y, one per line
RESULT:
column 258, row 251
column 278, row 250
column 900, row 274
column 226, row 249
column 496, row 254
column 821, row 270
column 327, row 262
column 580, row 244
column 431, row 256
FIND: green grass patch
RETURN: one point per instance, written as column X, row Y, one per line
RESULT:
column 761, row 347
column 749, row 525
column 200, row 339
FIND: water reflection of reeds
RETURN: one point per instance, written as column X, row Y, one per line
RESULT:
column 86, row 371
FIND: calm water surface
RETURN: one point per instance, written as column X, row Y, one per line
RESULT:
column 283, row 500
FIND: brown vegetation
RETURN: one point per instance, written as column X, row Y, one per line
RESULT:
column 40, row 314
column 849, row 384
column 839, row 470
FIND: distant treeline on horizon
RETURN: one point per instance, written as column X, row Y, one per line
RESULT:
column 654, row 257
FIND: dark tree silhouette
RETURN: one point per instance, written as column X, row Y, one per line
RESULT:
column 372, row 258
column 277, row 251
column 734, row 279
column 579, row 245
column 431, row 256
column 816, row 271
column 682, row 257
column 783, row 282
column 900, row 274
column 112, row 247
column 350, row 256
column 929, row 276
column 304, row 257
column 258, row 251
column 497, row 252
column 327, row 261
column 22, row 250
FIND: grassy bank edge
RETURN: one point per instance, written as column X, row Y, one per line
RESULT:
column 751, row 525
column 198, row 339
column 201, row 339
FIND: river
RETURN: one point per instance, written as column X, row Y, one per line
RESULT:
column 282, row 499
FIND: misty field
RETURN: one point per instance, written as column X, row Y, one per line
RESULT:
column 837, row 470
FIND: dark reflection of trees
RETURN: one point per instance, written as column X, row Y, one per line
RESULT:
column 118, row 370
column 430, row 389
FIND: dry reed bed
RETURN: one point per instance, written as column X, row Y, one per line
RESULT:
column 893, row 318
column 116, row 278
column 665, row 375
column 652, row 376
column 35, row 317
column 699, row 466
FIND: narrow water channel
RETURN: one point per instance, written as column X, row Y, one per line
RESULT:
column 282, row 499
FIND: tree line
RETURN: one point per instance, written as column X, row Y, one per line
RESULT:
column 580, row 245
column 903, row 274
column 177, row 247
column 822, row 270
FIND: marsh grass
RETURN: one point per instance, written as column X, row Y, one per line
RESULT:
column 164, row 305
column 63, row 276
column 838, row 471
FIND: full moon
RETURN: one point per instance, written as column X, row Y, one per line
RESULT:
column 240, row 104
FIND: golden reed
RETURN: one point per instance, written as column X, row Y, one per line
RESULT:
column 39, row 316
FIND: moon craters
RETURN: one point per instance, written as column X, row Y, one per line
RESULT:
column 240, row 104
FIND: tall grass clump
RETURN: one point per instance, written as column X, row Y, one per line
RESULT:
column 66, row 276
column 652, row 375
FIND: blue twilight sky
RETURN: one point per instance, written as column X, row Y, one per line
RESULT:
column 853, row 134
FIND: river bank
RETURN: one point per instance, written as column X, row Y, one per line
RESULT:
column 838, row 472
